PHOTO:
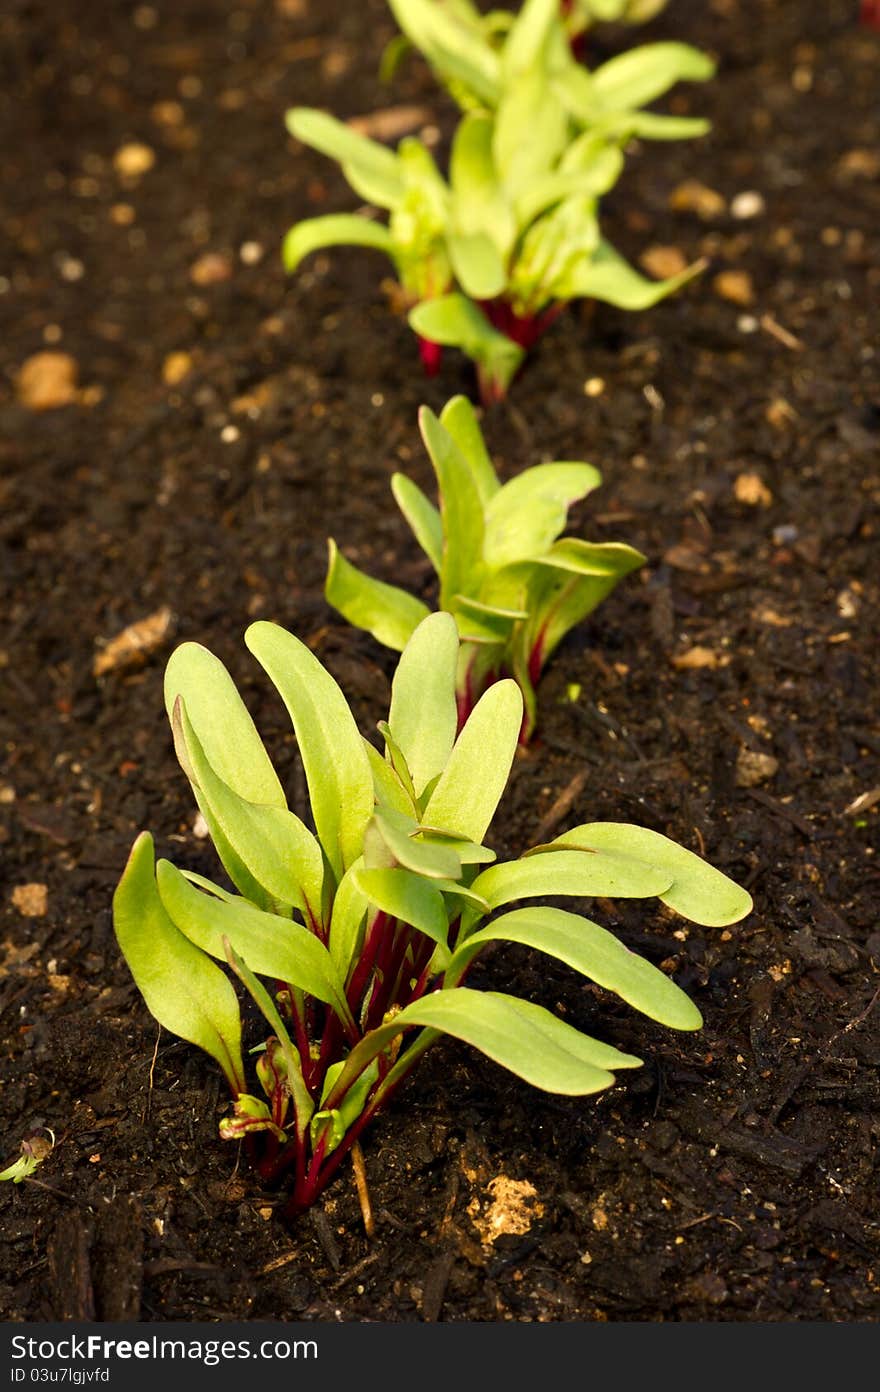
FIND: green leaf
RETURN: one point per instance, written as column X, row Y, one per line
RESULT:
column 595, row 953
column 477, row 264
column 422, row 516
column 522, row 1037
column 370, row 168
column 336, row 765
column 531, row 130
column 408, row 898
column 529, row 34
column 456, row 50
column 388, row 787
column 270, row 945
column 603, row 559
column 182, row 988
column 336, row 229
column 456, row 322
column 388, row 612
column 459, row 419
column 545, row 191
column 470, row 787
column 460, row 509
column 346, row 921
column 222, row 724
column 479, row 204
column 641, row 74
column 570, row 871
column 607, row 276
column 423, row 718
column 566, row 585
column 277, row 848
column 468, row 852
column 433, row 861
column 697, row 890
column 649, row 125
column 529, row 512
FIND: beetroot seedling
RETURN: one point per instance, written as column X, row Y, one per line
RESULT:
column 355, row 938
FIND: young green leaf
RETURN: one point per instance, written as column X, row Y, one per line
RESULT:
column 422, row 516
column 519, row 1035
column 386, row 611
column 400, row 837
column 280, row 853
column 182, row 988
column 302, row 1101
column 607, row 276
column 575, row 872
column 222, row 724
column 470, row 787
column 371, row 169
column 270, row 945
column 459, row 419
column 406, row 896
column 455, row 321
column 529, row 512
column 697, row 890
column 336, row 765
column 347, row 921
column 595, row 953
column 640, row 75
column 459, row 507
column 423, row 718
column 336, row 229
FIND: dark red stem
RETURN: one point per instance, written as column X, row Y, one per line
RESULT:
column 431, row 355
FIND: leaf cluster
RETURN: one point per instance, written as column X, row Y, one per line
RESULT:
column 514, row 586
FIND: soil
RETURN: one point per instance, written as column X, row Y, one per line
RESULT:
column 733, row 1178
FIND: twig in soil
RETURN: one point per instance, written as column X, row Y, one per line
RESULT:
column 434, row 1287
column 775, row 330
column 363, row 1191
column 278, row 1262
column 561, row 806
column 357, row 1270
column 780, row 810
column 146, row 1114
column 328, row 1242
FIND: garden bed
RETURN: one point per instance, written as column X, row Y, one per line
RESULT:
column 726, row 694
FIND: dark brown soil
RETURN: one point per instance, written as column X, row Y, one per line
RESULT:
column 735, row 1177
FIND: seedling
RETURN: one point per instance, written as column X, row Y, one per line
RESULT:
column 484, row 60
column 34, row 1150
column 355, row 940
column 513, row 586
column 490, row 259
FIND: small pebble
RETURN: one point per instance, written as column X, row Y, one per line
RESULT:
column 175, row 367
column 747, row 205
column 785, row 534
column 661, row 262
column 211, row 269
column 133, row 160
column 694, row 197
column 31, row 900
column 47, row 381
column 251, row 253
column 752, row 490
column 753, row 768
column 735, row 286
